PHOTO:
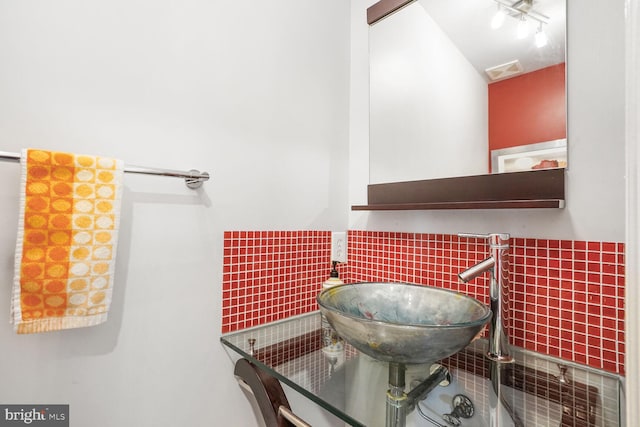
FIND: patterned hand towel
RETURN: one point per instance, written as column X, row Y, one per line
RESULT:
column 67, row 236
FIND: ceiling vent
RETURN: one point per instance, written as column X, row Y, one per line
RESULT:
column 503, row 71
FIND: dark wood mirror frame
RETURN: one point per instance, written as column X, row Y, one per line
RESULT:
column 530, row 189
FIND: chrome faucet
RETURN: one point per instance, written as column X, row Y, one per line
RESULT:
column 498, row 266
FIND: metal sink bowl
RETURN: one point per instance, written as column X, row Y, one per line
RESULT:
column 403, row 323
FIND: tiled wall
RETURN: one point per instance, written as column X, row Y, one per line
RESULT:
column 271, row 275
column 567, row 297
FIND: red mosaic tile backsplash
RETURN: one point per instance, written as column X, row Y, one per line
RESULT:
column 271, row 275
column 567, row 297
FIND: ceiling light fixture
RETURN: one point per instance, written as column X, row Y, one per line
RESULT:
column 541, row 38
column 523, row 28
column 523, row 11
column 498, row 18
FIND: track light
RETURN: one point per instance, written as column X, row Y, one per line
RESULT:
column 541, row 37
column 523, row 11
column 523, row 28
column 498, row 18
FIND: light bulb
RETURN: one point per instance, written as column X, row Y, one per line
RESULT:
column 541, row 38
column 498, row 19
column 523, row 28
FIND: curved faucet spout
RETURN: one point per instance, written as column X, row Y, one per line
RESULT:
column 481, row 267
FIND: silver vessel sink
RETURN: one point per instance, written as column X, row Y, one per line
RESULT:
column 403, row 323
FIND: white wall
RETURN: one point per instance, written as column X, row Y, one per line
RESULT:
column 428, row 103
column 596, row 176
column 256, row 93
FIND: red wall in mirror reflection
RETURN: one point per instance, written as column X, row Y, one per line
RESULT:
column 528, row 109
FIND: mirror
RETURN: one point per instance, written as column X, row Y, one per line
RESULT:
column 450, row 96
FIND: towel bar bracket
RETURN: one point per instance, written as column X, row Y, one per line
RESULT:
column 193, row 178
column 194, row 183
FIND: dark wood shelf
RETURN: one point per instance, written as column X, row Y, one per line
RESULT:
column 505, row 204
column 518, row 190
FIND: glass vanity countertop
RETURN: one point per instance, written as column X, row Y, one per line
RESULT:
column 539, row 389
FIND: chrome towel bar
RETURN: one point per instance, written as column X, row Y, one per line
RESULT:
column 192, row 178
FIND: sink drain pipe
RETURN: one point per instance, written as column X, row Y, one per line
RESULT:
column 399, row 403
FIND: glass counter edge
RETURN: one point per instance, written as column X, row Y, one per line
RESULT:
column 237, row 335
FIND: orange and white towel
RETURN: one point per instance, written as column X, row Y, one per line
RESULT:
column 67, row 236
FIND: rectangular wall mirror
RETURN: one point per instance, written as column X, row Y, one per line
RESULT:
column 467, row 87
